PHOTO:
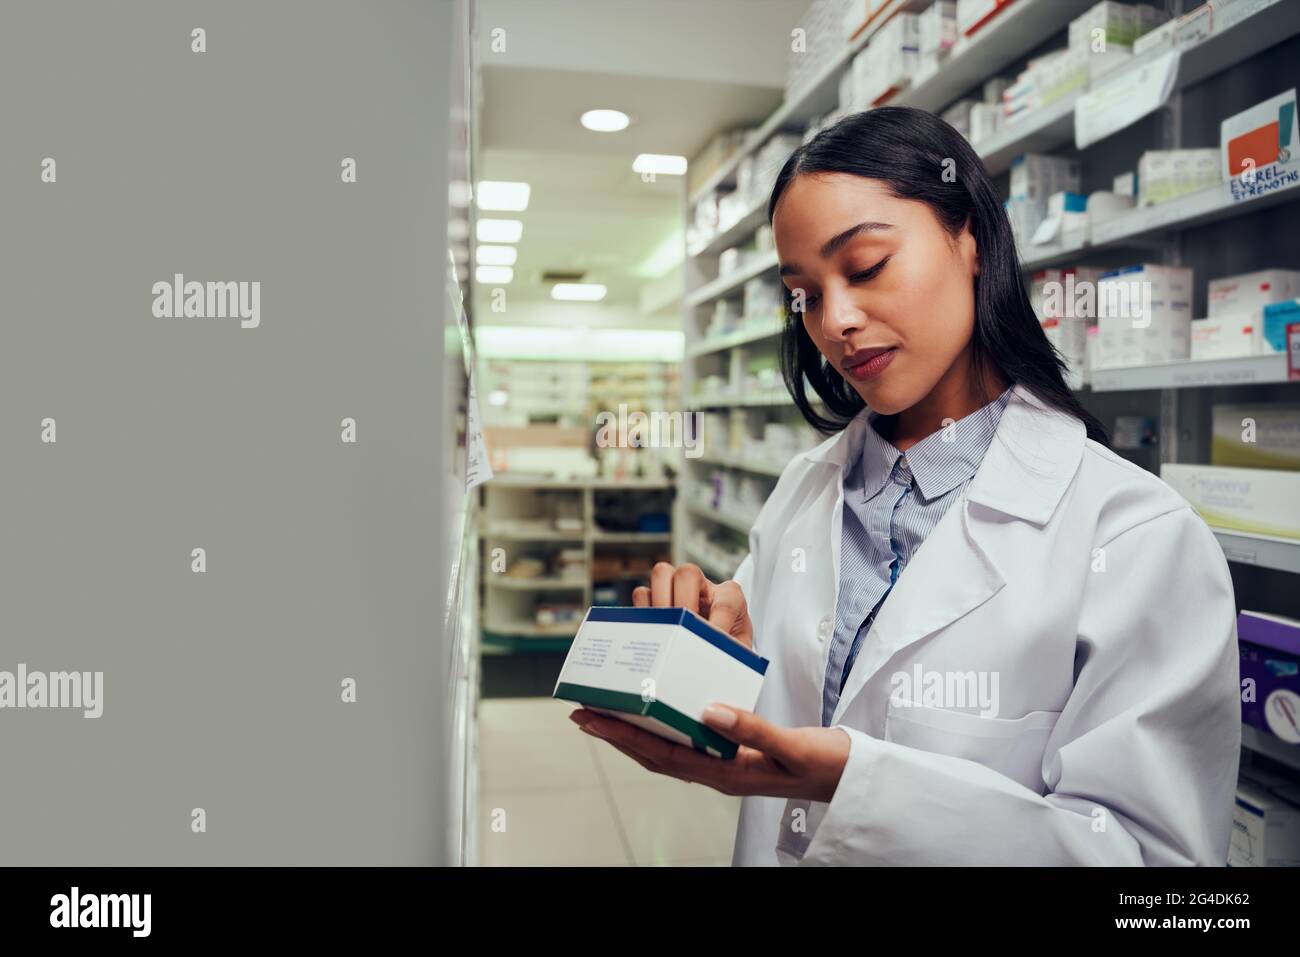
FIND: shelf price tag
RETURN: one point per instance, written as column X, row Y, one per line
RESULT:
column 1123, row 100
column 478, row 469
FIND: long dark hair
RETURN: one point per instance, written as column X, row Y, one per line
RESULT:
column 909, row 151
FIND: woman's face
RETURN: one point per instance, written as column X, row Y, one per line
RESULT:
column 877, row 273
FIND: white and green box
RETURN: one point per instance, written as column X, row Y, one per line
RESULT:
column 659, row 668
column 1255, row 501
column 1256, row 436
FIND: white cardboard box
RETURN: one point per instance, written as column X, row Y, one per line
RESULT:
column 1144, row 315
column 1251, row 292
column 1255, row 501
column 1227, row 337
column 659, row 668
column 1265, row 829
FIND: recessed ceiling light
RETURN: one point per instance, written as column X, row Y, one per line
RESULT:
column 498, row 195
column 605, row 121
column 660, row 164
column 499, row 230
column 494, row 275
column 458, row 229
column 495, row 255
column 578, row 291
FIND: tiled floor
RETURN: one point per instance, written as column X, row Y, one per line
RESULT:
column 549, row 794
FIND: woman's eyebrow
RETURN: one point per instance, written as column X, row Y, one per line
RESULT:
column 838, row 242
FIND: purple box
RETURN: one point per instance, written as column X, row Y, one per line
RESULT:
column 1270, row 674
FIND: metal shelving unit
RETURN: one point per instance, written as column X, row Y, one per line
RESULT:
column 509, row 503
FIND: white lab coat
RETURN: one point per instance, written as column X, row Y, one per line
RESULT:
column 1099, row 598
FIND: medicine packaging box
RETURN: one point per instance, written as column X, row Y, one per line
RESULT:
column 1144, row 315
column 1269, row 647
column 1227, row 337
column 1251, row 292
column 1265, row 829
column 972, row 15
column 1256, row 139
column 1254, row 501
column 1256, row 436
column 1277, row 317
column 1164, row 175
column 659, row 668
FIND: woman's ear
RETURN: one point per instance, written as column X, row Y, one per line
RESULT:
column 969, row 250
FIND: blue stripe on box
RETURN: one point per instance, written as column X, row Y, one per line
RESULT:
column 688, row 620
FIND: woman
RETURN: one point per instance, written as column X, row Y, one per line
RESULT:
column 992, row 640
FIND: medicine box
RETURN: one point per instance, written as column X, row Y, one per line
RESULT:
column 1277, row 317
column 1255, row 436
column 1251, row 292
column 937, row 27
column 1254, row 501
column 1259, row 137
column 1265, row 829
column 1227, row 337
column 1269, row 647
column 974, row 14
column 1163, row 175
column 659, row 668
column 1144, row 315
column 1120, row 23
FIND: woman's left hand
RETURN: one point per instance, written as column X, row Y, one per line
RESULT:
column 771, row 761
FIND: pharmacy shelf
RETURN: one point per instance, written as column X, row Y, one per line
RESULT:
column 758, row 265
column 630, row 538
column 1252, row 739
column 1205, row 206
column 741, row 337
column 1006, row 38
column 1247, row 370
column 1262, row 550
column 525, row 481
column 1069, row 246
column 996, row 45
column 736, row 523
column 820, row 95
column 1052, row 126
column 735, row 233
column 1146, row 225
column 770, row 469
column 499, row 533
column 528, row 629
column 775, row 397
column 509, row 602
column 1226, row 48
column 1039, row 132
column 716, row 571
column 545, row 583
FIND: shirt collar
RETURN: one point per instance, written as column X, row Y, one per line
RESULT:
column 941, row 461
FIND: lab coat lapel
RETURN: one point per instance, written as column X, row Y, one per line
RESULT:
column 949, row 575
column 1034, row 454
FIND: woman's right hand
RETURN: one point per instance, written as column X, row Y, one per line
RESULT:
column 723, row 604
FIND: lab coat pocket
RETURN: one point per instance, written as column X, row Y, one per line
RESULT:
column 1010, row 746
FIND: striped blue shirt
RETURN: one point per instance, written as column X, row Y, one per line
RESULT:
column 892, row 501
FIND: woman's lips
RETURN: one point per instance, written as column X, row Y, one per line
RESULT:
column 873, row 367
